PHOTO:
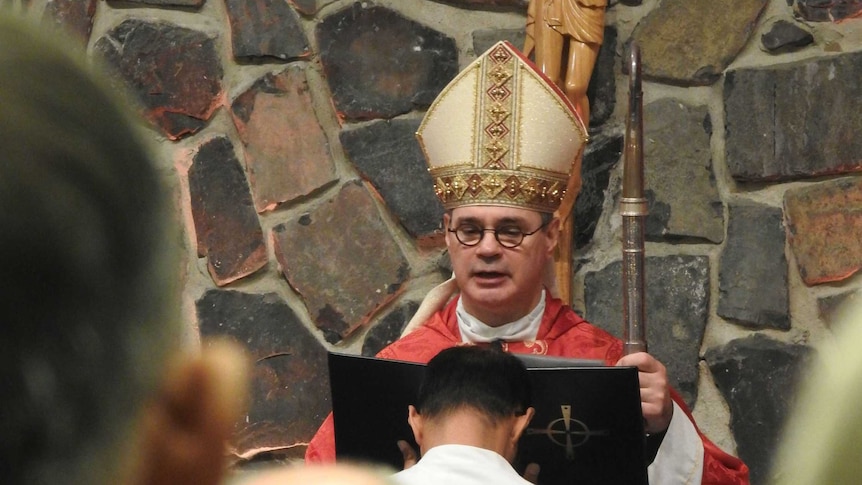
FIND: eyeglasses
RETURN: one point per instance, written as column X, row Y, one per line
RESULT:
column 509, row 235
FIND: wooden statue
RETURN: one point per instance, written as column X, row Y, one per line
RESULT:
column 566, row 36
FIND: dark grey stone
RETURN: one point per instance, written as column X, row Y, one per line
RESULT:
column 265, row 28
column 602, row 154
column 685, row 205
column 357, row 47
column 832, row 309
column 485, row 39
column 758, row 378
column 602, row 89
column 226, row 224
column 752, row 276
column 388, row 155
column 785, row 36
column 389, row 328
column 146, row 55
column 794, row 120
column 677, row 308
column 289, row 381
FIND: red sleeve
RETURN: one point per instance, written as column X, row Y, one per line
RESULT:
column 321, row 448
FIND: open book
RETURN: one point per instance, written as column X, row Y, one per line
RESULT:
column 588, row 427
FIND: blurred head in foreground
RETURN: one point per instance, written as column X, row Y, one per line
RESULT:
column 93, row 388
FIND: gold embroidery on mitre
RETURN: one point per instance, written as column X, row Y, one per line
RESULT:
column 503, row 168
column 496, row 108
column 498, row 113
column 496, row 150
column 528, row 190
column 493, row 185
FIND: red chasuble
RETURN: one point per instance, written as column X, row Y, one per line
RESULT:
column 561, row 333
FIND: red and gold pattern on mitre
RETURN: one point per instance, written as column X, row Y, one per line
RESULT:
column 501, row 133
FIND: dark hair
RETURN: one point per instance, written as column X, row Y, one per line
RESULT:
column 486, row 379
column 88, row 286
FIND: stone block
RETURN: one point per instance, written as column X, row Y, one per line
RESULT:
column 691, row 42
column 389, row 328
column 824, row 226
column 358, row 49
column 794, row 120
column 342, row 261
column 826, row 11
column 684, row 203
column 75, row 16
column 175, row 72
column 602, row 91
column 785, row 36
column 600, row 157
column 833, row 309
column 387, row 154
column 752, row 275
column 265, row 29
column 286, row 151
column 289, row 380
column 677, row 308
column 226, row 225
column 758, row 378
column 485, row 39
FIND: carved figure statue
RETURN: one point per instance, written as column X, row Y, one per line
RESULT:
column 566, row 36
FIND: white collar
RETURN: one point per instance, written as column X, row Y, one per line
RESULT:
column 523, row 329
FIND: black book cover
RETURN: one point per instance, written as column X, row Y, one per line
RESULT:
column 588, row 427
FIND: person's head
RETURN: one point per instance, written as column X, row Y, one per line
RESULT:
column 489, row 387
column 89, row 280
column 503, row 146
column 499, row 283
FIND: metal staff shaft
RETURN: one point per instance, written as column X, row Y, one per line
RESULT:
column 633, row 209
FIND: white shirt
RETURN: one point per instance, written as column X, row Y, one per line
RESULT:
column 460, row 465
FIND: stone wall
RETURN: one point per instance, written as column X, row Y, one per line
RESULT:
column 286, row 128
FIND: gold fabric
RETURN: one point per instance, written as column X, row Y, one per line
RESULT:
column 522, row 141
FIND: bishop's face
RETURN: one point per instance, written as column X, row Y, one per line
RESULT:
column 500, row 284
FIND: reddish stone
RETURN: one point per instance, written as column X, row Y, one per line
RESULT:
column 76, row 16
column 227, row 228
column 175, row 72
column 289, row 380
column 342, row 260
column 824, row 226
column 286, row 151
column 265, row 28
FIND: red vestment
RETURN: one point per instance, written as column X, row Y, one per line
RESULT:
column 561, row 333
